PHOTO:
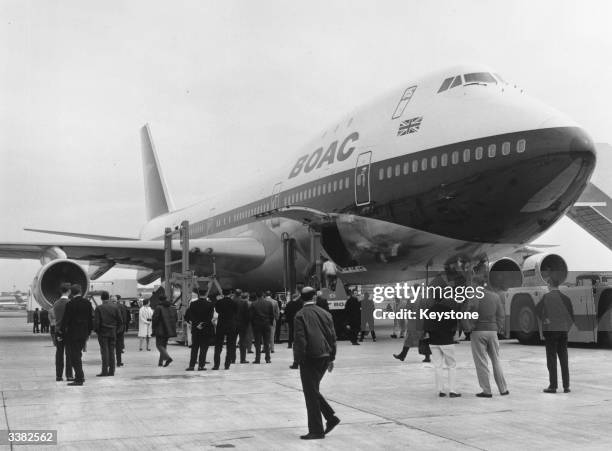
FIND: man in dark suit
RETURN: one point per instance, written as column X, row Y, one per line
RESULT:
column 262, row 318
column 557, row 315
column 125, row 318
column 107, row 321
column 44, row 321
column 226, row 330
column 61, row 349
column 77, row 324
column 314, row 350
column 200, row 314
column 36, row 321
column 242, row 323
column 293, row 306
column 352, row 311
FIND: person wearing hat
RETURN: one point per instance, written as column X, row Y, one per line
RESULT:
column 314, row 350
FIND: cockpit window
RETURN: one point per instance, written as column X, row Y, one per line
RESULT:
column 479, row 77
column 445, row 84
column 456, row 82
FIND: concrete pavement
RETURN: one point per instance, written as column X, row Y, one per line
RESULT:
column 383, row 403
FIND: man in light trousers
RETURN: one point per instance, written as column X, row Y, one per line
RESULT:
column 484, row 338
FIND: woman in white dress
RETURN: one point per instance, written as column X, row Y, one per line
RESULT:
column 145, row 316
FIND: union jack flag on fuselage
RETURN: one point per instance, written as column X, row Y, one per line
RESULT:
column 410, row 126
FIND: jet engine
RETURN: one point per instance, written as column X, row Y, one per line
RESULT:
column 539, row 268
column 48, row 280
column 505, row 273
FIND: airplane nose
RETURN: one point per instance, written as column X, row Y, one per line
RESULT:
column 582, row 144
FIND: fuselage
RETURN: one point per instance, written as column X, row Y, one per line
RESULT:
column 458, row 161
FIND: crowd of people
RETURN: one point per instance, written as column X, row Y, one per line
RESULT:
column 240, row 320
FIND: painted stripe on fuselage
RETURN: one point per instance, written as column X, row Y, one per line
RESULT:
column 462, row 200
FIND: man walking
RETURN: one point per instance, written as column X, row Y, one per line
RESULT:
column 61, row 349
column 262, row 316
column 107, row 321
column 77, row 324
column 199, row 315
column 314, row 350
column 226, row 330
column 164, row 327
column 557, row 315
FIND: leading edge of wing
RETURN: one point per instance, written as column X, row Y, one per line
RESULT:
column 247, row 250
column 82, row 235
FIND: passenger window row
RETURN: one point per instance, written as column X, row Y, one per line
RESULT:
column 455, row 157
column 317, row 191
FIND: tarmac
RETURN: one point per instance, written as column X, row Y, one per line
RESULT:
column 383, row 403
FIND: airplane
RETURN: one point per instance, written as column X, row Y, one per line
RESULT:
column 457, row 162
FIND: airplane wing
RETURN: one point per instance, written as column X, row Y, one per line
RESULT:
column 232, row 255
column 593, row 212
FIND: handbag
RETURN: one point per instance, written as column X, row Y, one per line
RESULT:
column 424, row 348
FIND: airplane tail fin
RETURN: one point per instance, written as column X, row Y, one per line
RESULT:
column 157, row 198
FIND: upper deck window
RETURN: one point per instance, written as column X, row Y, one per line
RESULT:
column 479, row 77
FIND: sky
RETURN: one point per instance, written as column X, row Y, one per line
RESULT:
column 230, row 88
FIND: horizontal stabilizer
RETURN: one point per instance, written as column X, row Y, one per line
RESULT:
column 82, row 235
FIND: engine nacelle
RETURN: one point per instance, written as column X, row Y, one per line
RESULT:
column 48, row 280
column 505, row 273
column 538, row 268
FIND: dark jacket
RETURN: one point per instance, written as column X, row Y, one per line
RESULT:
column 77, row 322
column 441, row 332
column 292, row 308
column 352, row 309
column 107, row 320
column 322, row 302
column 556, row 312
column 58, row 311
column 200, row 314
column 315, row 336
column 242, row 315
column 164, row 320
column 227, row 310
column 262, row 313
column 125, row 317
